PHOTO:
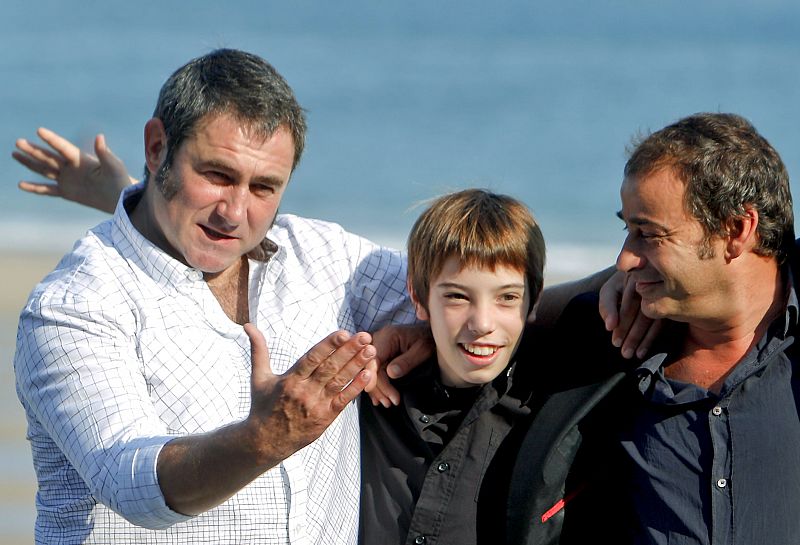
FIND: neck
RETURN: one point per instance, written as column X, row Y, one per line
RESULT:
column 230, row 287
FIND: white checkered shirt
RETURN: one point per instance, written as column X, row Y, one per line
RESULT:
column 122, row 348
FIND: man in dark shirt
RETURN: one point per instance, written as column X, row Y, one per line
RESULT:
column 475, row 267
column 708, row 425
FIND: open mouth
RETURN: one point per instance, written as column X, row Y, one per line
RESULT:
column 479, row 350
column 215, row 235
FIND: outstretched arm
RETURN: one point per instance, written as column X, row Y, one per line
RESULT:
column 94, row 181
column 96, row 409
column 632, row 331
column 554, row 299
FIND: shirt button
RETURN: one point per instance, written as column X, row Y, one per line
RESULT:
column 420, row 540
column 424, row 418
column 194, row 275
column 722, row 483
column 442, row 467
column 716, row 411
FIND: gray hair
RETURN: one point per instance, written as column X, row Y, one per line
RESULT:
column 225, row 81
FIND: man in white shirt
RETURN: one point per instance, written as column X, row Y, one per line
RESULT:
column 149, row 418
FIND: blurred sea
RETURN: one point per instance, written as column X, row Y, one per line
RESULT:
column 406, row 100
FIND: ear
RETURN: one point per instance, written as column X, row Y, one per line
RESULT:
column 155, row 144
column 742, row 234
column 422, row 314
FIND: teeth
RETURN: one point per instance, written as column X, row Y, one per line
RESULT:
column 480, row 350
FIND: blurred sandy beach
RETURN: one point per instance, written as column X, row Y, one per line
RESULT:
column 19, row 273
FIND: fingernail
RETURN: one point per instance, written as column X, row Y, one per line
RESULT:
column 395, row 400
column 393, row 370
column 386, row 403
column 368, row 352
column 627, row 353
column 616, row 341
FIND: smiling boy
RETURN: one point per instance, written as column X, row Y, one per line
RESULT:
column 475, row 271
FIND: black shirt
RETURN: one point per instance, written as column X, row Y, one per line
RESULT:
column 423, row 463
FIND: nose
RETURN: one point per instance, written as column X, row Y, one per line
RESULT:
column 629, row 258
column 481, row 320
column 233, row 205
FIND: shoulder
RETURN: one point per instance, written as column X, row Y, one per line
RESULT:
column 309, row 233
column 317, row 244
column 291, row 230
column 93, row 270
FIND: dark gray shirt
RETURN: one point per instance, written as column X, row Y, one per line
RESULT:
column 720, row 469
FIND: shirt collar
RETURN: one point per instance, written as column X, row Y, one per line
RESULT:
column 425, row 381
column 792, row 314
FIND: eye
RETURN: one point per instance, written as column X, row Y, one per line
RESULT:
column 650, row 236
column 510, row 298
column 262, row 189
column 454, row 297
column 644, row 235
column 217, row 177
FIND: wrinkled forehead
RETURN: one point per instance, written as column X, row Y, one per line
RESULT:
column 249, row 128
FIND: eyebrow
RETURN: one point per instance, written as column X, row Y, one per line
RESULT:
column 461, row 287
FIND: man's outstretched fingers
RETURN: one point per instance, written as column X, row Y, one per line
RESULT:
column 347, row 372
column 38, row 188
column 37, row 159
column 339, row 358
column 66, row 149
column 318, row 353
column 352, row 391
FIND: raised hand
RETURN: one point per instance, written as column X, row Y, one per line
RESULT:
column 94, row 181
column 293, row 409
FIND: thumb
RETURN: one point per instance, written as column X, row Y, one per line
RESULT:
column 417, row 353
column 105, row 155
column 101, row 148
column 259, row 357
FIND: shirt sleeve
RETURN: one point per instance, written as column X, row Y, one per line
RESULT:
column 80, row 381
column 377, row 292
